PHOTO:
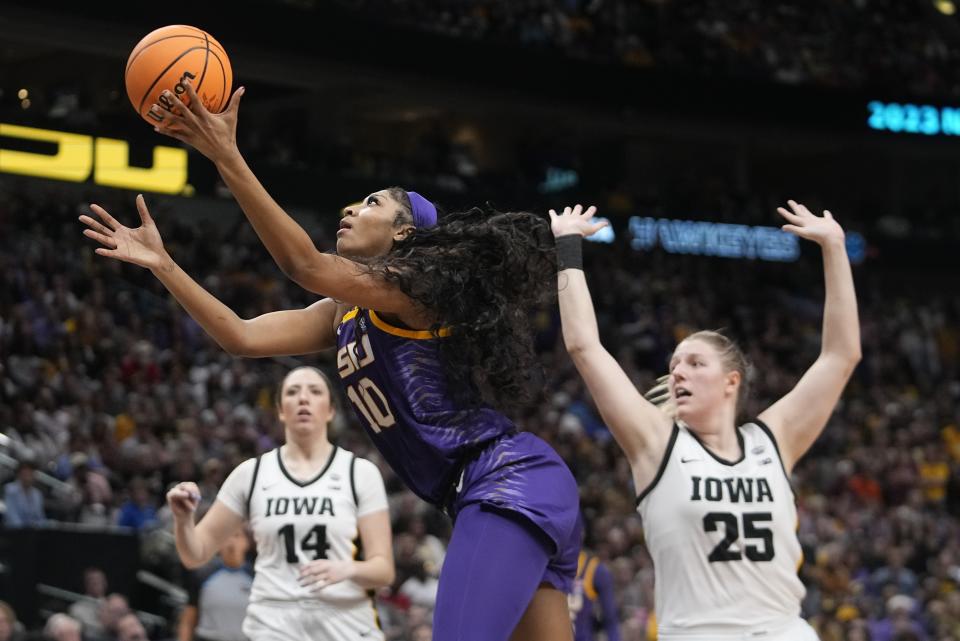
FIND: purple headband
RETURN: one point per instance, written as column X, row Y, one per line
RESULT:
column 424, row 211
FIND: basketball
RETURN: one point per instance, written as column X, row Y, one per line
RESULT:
column 168, row 56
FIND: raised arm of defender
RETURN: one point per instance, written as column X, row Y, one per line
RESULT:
column 640, row 428
column 798, row 418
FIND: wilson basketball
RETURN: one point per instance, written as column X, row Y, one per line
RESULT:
column 168, row 56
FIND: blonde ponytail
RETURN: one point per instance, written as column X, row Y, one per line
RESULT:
column 660, row 396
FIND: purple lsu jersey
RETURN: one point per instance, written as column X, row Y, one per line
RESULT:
column 449, row 456
column 394, row 379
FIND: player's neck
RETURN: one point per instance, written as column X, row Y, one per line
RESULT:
column 718, row 433
column 307, row 452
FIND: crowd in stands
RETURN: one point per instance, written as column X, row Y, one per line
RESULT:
column 910, row 46
column 111, row 388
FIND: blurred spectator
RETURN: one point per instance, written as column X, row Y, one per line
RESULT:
column 129, row 628
column 593, row 591
column 111, row 610
column 86, row 610
column 899, row 624
column 934, row 473
column 213, row 476
column 9, row 626
column 420, row 587
column 24, row 501
column 218, row 595
column 423, row 632
column 429, row 547
column 62, row 627
column 139, row 510
column 92, row 483
column 894, row 574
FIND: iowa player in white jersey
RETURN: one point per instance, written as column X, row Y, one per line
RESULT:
column 717, row 506
column 312, row 507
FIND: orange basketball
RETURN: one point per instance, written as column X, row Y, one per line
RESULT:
column 168, row 56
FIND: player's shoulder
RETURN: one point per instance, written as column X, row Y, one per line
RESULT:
column 757, row 430
column 361, row 469
column 345, row 312
column 250, row 467
column 246, row 467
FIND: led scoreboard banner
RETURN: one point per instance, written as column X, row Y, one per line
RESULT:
column 725, row 240
column 925, row 120
column 78, row 157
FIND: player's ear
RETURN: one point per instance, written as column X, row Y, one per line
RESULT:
column 402, row 232
column 733, row 381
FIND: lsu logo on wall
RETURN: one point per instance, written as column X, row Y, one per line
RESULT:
column 78, row 156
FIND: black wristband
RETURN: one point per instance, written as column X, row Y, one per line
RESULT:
column 570, row 252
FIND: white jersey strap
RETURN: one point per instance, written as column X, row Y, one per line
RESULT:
column 766, row 429
column 253, row 483
column 353, row 482
column 663, row 464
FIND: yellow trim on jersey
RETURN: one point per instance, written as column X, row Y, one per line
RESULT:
column 589, row 588
column 352, row 313
column 405, row 333
column 800, row 562
column 373, row 606
column 587, row 573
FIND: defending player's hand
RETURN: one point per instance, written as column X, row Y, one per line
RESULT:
column 140, row 246
column 318, row 574
column 805, row 224
column 575, row 221
column 183, row 499
column 213, row 135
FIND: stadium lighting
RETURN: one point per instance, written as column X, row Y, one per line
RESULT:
column 946, row 7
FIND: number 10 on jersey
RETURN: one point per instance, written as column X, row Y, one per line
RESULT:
column 372, row 403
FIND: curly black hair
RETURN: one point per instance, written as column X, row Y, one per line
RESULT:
column 483, row 274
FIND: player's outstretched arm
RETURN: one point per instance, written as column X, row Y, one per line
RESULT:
column 798, row 418
column 639, row 427
column 197, row 543
column 214, row 135
column 289, row 332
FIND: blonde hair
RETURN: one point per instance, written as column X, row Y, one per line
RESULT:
column 732, row 359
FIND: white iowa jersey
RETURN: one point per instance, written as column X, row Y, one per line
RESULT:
column 295, row 522
column 722, row 535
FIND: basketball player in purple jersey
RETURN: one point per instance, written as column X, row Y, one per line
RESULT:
column 431, row 324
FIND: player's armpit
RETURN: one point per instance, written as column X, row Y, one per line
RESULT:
column 798, row 418
column 639, row 427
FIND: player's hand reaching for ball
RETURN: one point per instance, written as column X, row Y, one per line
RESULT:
column 574, row 220
column 805, row 224
column 318, row 574
column 183, row 499
column 213, row 135
column 141, row 245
